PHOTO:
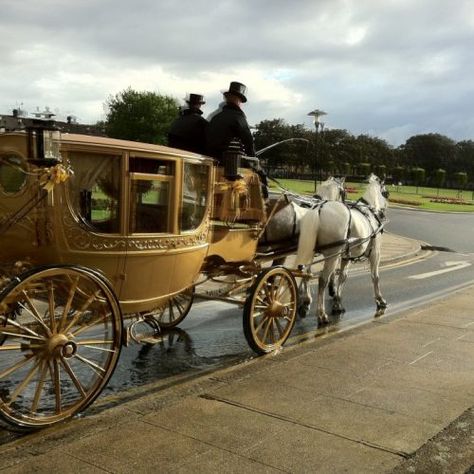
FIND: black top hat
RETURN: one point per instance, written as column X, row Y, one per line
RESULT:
column 195, row 99
column 237, row 89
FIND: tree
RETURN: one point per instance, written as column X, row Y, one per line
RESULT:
column 140, row 116
column 293, row 156
column 430, row 151
column 440, row 177
column 418, row 176
column 461, row 179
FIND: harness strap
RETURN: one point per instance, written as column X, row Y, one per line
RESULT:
column 378, row 230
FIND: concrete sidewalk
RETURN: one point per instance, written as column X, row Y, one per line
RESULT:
column 394, row 395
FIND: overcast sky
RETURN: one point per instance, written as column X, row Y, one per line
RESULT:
column 388, row 68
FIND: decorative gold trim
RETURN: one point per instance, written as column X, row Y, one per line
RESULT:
column 80, row 238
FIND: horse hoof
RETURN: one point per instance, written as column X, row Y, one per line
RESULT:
column 303, row 311
column 381, row 304
column 338, row 311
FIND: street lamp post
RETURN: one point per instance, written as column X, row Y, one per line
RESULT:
column 319, row 126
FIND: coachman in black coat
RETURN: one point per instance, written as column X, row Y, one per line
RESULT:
column 229, row 124
column 188, row 131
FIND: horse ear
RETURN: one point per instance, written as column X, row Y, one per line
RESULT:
column 343, row 179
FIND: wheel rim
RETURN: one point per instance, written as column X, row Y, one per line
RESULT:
column 270, row 310
column 176, row 309
column 60, row 339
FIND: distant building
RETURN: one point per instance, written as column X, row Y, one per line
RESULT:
column 17, row 121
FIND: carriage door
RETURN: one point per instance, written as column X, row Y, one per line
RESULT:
column 95, row 237
column 152, row 227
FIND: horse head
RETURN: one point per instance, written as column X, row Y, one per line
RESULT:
column 331, row 190
column 376, row 194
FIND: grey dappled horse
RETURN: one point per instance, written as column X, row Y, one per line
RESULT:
column 343, row 233
column 284, row 224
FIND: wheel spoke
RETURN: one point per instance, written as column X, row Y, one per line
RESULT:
column 34, row 312
column 19, row 347
column 39, row 386
column 282, row 290
column 67, row 306
column 19, row 326
column 96, row 368
column 179, row 305
column 52, row 306
column 56, row 378
column 260, row 325
column 74, row 378
column 171, row 310
column 265, row 332
column 23, row 384
column 100, row 319
column 16, row 366
column 274, row 287
column 19, row 335
column 84, row 308
column 279, row 328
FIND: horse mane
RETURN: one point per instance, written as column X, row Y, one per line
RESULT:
column 373, row 193
column 325, row 189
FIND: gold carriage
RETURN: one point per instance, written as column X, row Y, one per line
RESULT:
column 96, row 230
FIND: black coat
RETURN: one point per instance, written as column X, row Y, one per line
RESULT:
column 188, row 131
column 226, row 125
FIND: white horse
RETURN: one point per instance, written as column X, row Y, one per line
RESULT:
column 343, row 233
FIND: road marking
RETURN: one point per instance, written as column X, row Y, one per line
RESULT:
column 450, row 267
column 421, row 357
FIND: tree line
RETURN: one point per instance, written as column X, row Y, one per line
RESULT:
column 430, row 159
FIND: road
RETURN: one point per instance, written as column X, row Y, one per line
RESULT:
column 453, row 230
column 212, row 337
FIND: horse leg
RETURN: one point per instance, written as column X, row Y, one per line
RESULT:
column 337, row 307
column 328, row 269
column 332, row 284
column 304, row 297
column 374, row 271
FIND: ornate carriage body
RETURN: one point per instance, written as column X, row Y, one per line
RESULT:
column 139, row 213
column 94, row 230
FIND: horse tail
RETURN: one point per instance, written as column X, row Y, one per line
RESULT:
column 308, row 236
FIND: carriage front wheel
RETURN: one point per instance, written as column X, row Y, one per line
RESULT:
column 174, row 311
column 60, row 339
column 270, row 310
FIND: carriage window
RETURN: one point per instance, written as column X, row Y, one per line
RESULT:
column 195, row 191
column 146, row 165
column 12, row 174
column 151, row 202
column 95, row 190
column 150, row 195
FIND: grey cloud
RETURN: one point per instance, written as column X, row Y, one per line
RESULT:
column 388, row 67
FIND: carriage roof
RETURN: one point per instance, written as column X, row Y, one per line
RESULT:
column 72, row 138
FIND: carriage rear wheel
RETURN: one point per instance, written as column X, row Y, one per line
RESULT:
column 60, row 339
column 270, row 310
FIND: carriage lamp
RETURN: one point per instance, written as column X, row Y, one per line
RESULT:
column 232, row 158
column 44, row 142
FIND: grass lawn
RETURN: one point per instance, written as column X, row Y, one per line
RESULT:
column 411, row 196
